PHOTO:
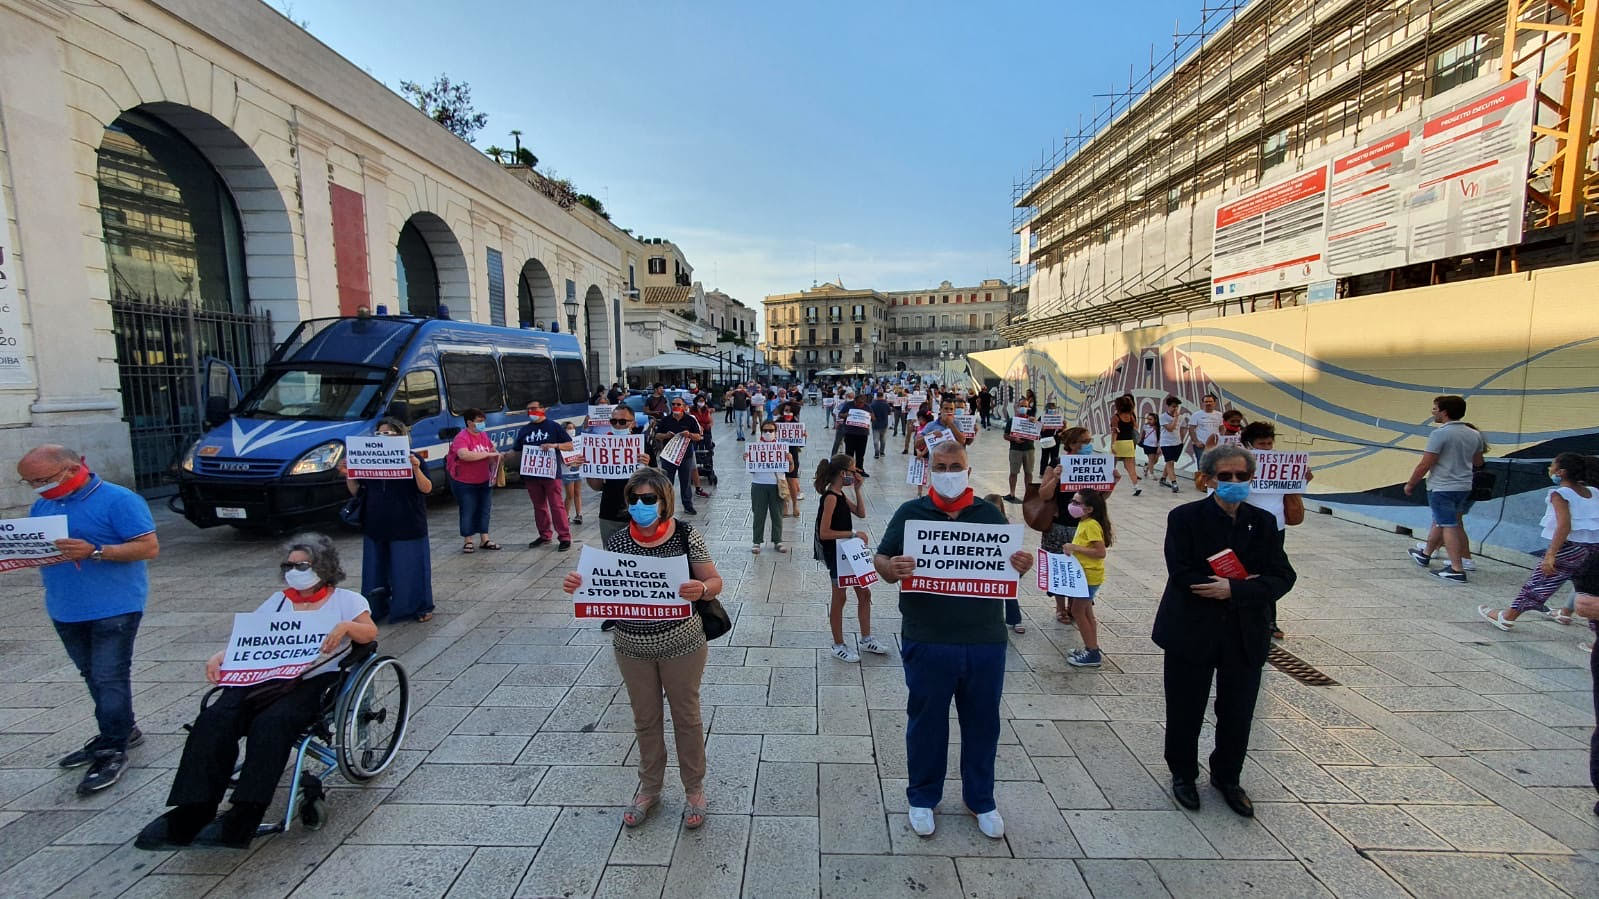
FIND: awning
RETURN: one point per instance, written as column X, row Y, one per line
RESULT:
column 676, row 362
column 829, row 373
column 855, row 371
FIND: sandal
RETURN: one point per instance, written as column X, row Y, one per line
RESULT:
column 469, row 548
column 755, row 550
column 638, row 810
column 1019, row 628
column 1495, row 617
column 1559, row 616
column 780, row 547
column 489, row 545
column 424, row 617
column 694, row 815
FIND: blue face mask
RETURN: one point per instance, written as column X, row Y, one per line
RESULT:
column 1232, row 491
column 1554, row 479
column 644, row 515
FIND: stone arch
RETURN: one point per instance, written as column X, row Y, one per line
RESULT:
column 431, row 269
column 598, row 339
column 536, row 302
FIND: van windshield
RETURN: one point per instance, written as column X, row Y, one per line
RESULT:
column 322, row 394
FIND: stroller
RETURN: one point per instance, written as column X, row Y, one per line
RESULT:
column 705, row 460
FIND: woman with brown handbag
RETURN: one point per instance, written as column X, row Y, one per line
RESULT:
column 1045, row 509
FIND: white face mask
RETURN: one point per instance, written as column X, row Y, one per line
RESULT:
column 949, row 484
column 301, row 580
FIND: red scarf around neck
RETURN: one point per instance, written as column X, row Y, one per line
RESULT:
column 952, row 507
column 642, row 536
column 322, row 591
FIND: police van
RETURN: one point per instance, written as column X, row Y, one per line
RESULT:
column 269, row 460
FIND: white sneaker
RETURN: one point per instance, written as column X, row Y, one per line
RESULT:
column 1465, row 564
column 991, row 824
column 845, row 654
column 870, row 644
column 922, row 821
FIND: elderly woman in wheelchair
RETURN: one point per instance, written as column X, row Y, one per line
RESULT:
column 273, row 717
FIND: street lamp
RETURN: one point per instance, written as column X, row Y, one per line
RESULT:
column 874, row 356
column 571, row 314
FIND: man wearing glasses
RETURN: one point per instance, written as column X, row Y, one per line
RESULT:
column 548, row 502
column 1225, row 571
column 613, row 491
column 96, row 597
column 678, row 422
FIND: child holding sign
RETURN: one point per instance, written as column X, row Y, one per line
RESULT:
column 834, row 523
column 1089, row 545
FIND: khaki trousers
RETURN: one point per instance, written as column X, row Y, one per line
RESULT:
column 680, row 679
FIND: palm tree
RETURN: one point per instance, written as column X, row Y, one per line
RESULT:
column 495, row 153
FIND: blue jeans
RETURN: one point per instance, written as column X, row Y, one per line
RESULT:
column 973, row 674
column 475, row 502
column 102, row 650
column 742, row 417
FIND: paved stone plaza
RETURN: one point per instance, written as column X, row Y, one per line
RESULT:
column 1450, row 762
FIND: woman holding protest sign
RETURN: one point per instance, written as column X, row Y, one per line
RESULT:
column 663, row 656
column 764, row 499
column 269, row 715
column 396, row 562
column 1048, row 512
column 835, row 522
column 473, row 466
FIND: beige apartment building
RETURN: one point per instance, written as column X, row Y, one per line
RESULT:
column 831, row 326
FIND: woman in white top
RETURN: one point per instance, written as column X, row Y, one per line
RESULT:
column 1571, row 525
column 270, row 715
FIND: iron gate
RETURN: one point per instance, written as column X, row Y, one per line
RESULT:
column 160, row 348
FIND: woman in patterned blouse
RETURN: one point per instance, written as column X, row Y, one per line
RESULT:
column 657, row 656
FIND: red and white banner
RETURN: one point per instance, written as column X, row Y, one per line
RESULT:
column 675, row 449
column 766, row 457
column 967, row 425
column 790, row 433
column 612, row 457
column 630, row 588
column 600, row 417
column 539, row 462
column 855, row 568
column 275, row 645
column 1060, row 574
column 1272, row 238
column 31, row 542
column 1087, row 471
column 1281, row 472
column 956, row 559
column 378, row 458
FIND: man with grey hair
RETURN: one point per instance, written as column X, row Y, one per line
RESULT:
column 1225, row 571
column 96, row 598
column 952, row 647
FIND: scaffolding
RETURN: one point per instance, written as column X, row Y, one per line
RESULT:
column 1114, row 224
column 1557, row 45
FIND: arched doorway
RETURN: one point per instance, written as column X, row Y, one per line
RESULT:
column 535, row 296
column 597, row 335
column 180, row 274
column 430, row 269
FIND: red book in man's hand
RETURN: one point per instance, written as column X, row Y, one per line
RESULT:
column 1227, row 564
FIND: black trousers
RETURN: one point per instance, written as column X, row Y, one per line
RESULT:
column 271, row 731
column 1187, row 683
column 684, row 475
column 1048, row 459
column 855, row 445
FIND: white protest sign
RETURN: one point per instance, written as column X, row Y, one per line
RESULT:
column 917, row 399
column 955, row 559
column 1281, row 472
column 381, row 458
column 30, row 542
column 1052, row 421
column 1025, row 427
column 675, row 449
column 1228, row 440
column 612, row 457
column 538, row 462
column 574, row 457
column 771, row 456
column 630, row 588
column 966, row 424
column 916, row 472
column 600, row 416
column 790, row 433
column 828, row 402
column 1087, row 471
column 855, row 568
column 934, row 436
column 900, row 401
column 275, row 645
column 1060, row 574
column 859, row 418
column 14, row 368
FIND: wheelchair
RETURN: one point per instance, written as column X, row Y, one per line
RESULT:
column 363, row 722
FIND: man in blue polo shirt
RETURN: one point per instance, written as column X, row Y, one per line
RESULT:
column 952, row 648
column 96, row 597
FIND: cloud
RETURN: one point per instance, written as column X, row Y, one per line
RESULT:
column 751, row 267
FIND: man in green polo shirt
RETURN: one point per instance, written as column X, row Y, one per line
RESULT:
column 952, row 648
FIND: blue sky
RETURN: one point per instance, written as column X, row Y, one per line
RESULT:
column 778, row 143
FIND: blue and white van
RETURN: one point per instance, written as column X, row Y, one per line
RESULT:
column 270, row 461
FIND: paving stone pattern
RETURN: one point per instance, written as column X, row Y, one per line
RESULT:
column 1451, row 760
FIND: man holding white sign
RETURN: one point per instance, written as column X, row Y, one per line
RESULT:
column 608, row 461
column 540, row 474
column 95, row 603
column 953, row 640
column 31, row 542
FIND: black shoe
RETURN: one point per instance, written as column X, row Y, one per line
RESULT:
column 77, row 758
column 1186, row 793
column 865, row 475
column 741, row 440
column 538, row 543
column 234, row 828
column 105, row 771
column 1011, row 498
column 690, row 510
column 176, row 829
column 1237, row 799
column 904, row 452
column 564, row 546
